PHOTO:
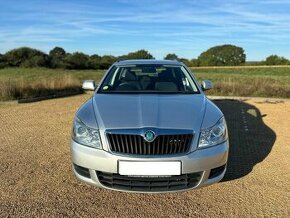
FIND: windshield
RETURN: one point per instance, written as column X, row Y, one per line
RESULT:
column 148, row 79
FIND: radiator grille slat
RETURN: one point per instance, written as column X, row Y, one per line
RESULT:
column 121, row 142
column 162, row 145
column 166, row 144
column 130, row 144
column 140, row 150
column 126, row 143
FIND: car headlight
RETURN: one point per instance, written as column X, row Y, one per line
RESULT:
column 85, row 135
column 213, row 135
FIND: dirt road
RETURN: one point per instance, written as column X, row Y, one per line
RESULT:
column 36, row 177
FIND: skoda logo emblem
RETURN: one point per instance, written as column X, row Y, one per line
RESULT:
column 149, row 136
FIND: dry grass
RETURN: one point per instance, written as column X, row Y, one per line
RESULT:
column 17, row 83
column 250, row 87
column 242, row 81
column 19, row 89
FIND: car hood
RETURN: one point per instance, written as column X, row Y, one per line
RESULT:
column 119, row 111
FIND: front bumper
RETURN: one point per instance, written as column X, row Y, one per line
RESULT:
column 203, row 161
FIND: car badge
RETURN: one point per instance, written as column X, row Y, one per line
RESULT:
column 149, row 136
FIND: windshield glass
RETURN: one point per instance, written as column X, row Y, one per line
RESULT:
column 148, row 79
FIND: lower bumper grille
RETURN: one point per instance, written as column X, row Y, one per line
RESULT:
column 82, row 171
column 149, row 184
column 216, row 171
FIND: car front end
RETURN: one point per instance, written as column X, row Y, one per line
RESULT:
column 149, row 141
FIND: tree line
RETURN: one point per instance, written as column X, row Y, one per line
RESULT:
column 222, row 55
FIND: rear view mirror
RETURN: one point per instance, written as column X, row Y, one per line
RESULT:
column 89, row 85
column 206, row 85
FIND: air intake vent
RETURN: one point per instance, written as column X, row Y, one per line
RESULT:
column 149, row 184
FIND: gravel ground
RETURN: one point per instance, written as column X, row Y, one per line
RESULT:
column 36, row 179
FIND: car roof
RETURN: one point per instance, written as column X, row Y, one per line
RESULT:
column 147, row 61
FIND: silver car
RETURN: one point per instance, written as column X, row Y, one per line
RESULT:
column 149, row 128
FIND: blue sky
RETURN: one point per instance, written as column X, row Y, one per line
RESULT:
column 186, row 28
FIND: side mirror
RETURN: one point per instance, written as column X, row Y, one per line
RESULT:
column 206, row 85
column 89, row 85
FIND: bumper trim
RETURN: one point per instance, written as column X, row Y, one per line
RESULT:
column 103, row 161
column 149, row 184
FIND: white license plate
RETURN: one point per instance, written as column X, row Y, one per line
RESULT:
column 136, row 168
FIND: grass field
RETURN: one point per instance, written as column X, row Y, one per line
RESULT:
column 17, row 83
column 247, row 81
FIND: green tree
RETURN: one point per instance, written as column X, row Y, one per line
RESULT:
column 140, row 54
column 94, row 62
column 193, row 63
column 77, row 60
column 223, row 55
column 35, row 61
column 3, row 62
column 171, row 56
column 184, row 60
column 56, row 57
column 26, row 57
column 276, row 60
column 107, row 61
column 57, row 52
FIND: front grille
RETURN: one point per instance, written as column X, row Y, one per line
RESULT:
column 136, row 144
column 149, row 184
